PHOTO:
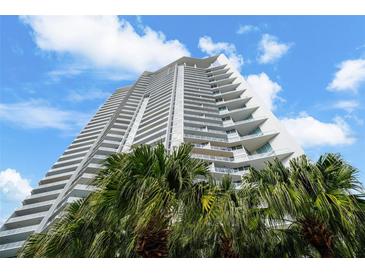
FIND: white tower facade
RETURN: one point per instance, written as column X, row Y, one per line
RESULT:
column 205, row 102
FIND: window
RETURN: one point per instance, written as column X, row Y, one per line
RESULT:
column 222, row 108
column 231, row 131
column 237, row 147
column 226, row 118
column 213, row 86
column 219, row 100
column 265, row 148
column 249, row 117
column 256, row 131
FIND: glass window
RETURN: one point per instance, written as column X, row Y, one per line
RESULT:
column 256, row 131
column 265, row 148
column 231, row 131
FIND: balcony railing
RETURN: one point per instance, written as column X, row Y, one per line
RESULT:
column 204, row 117
column 241, row 158
column 232, row 123
column 12, row 245
column 249, row 136
column 203, row 112
column 273, row 153
column 227, row 92
column 200, row 106
column 230, row 139
column 206, row 130
column 213, row 147
column 228, row 170
column 204, row 123
column 268, row 154
column 212, row 158
column 232, row 100
column 18, row 230
column 205, row 138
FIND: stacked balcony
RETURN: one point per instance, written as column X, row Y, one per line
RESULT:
column 224, row 131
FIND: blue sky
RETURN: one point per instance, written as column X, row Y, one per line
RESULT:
column 55, row 72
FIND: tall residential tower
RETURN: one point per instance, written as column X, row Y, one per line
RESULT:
column 205, row 102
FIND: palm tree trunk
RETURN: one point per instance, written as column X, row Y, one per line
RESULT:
column 153, row 244
column 226, row 248
column 153, row 241
column 319, row 236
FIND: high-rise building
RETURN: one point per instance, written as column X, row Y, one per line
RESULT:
column 205, row 102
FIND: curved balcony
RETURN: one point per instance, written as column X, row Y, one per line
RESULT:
column 229, row 95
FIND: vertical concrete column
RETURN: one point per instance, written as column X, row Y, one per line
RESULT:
column 133, row 131
column 177, row 136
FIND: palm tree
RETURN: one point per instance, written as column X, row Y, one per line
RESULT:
column 221, row 221
column 152, row 203
column 131, row 213
column 317, row 203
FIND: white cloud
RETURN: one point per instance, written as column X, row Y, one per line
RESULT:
column 38, row 114
column 105, row 42
column 207, row 46
column 268, row 90
column 310, row 132
column 78, row 96
column 12, row 186
column 247, row 28
column 349, row 77
column 69, row 71
column 271, row 49
column 347, row 105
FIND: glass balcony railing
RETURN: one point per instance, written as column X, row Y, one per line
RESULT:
column 228, row 170
column 221, row 148
column 227, row 92
column 204, row 123
column 213, row 147
column 212, row 158
column 229, row 123
column 225, row 85
column 268, row 154
column 241, row 158
column 199, row 106
column 203, row 112
column 273, row 153
column 208, row 138
column 232, row 100
column 206, row 130
column 204, row 117
column 229, row 140
column 249, row 136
